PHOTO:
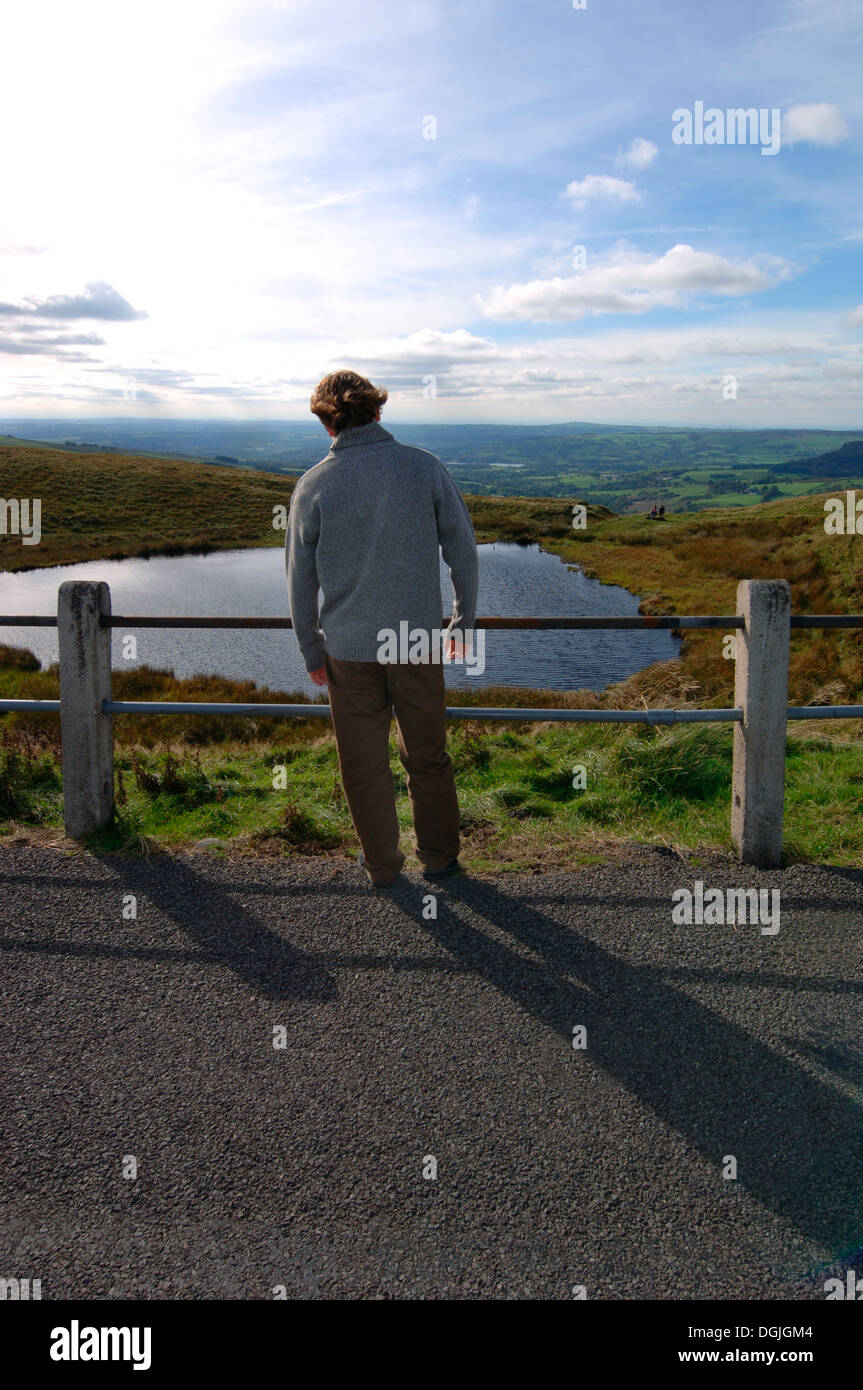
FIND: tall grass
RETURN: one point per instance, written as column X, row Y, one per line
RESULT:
column 522, row 806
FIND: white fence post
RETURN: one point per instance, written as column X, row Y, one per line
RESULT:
column 761, row 691
column 85, row 681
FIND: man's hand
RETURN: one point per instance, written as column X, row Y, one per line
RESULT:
column 319, row 677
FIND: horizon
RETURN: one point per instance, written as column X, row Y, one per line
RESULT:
column 419, row 424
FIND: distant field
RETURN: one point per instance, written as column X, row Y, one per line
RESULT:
column 624, row 468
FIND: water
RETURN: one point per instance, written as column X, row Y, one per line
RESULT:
column 515, row 581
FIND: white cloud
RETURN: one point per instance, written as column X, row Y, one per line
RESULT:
column 602, row 187
column 633, row 284
column 854, row 317
column 426, row 347
column 633, row 374
column 819, row 123
column 638, row 154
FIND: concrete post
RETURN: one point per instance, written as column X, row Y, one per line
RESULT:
column 85, row 681
column 761, row 691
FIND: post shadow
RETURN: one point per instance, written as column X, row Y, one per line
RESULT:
column 226, row 932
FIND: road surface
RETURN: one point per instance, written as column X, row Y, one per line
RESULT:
column 427, row 1129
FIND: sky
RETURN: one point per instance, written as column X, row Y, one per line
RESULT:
column 499, row 211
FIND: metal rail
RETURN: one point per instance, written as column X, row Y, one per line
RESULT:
column 574, row 716
column 670, row 621
column 595, row 716
column 559, row 716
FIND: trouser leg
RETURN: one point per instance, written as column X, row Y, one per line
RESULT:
column 419, row 701
column 361, row 709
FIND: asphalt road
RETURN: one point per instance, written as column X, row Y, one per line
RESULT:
column 302, row 1167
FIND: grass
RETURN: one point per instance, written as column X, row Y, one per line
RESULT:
column 520, row 807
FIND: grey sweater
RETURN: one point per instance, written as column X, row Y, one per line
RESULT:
column 364, row 527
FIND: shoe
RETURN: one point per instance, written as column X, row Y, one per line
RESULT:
column 362, row 863
column 453, row 867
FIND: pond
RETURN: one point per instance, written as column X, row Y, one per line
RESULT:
column 515, row 581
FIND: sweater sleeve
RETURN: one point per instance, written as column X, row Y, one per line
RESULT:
column 300, row 545
column 458, row 546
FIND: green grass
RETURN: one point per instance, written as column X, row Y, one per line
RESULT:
column 519, row 806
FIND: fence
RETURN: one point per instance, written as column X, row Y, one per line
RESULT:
column 763, row 619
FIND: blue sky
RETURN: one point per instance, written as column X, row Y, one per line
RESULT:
column 215, row 203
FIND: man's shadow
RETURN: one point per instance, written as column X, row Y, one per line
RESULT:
column 798, row 1142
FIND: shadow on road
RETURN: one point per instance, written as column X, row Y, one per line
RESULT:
column 798, row 1142
column 225, row 930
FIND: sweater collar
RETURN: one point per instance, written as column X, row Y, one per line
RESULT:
column 372, row 433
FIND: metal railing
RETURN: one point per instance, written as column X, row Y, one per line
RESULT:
column 86, row 707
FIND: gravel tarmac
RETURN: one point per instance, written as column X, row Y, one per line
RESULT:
column 414, row 1044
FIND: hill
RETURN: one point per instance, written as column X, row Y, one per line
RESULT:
column 845, row 462
column 108, row 506
column 180, row 779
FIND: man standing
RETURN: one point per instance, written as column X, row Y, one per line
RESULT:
column 365, row 528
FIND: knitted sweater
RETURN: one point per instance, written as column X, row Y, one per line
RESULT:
column 365, row 527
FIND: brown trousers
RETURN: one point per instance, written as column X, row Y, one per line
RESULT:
column 363, row 696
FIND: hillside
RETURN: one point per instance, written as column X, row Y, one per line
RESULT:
column 110, row 506
column 844, row 462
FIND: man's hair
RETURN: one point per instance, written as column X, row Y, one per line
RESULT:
column 344, row 400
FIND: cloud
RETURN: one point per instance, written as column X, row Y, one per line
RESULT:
column 854, row 317
column 632, row 284
column 602, row 187
column 818, row 123
column 99, row 301
column 19, row 347
column 429, row 347
column 19, row 248
column 638, row 154
column 27, row 339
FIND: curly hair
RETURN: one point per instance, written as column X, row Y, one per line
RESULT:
column 343, row 400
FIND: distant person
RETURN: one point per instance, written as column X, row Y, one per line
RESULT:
column 652, row 512
column 662, row 511
column 366, row 525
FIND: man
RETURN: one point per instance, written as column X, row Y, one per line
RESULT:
column 365, row 527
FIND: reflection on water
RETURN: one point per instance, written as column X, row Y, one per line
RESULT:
column 515, row 581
